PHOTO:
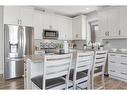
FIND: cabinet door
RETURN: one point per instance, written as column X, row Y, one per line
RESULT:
column 103, row 24
column 26, row 16
column 62, row 28
column 11, row 15
column 38, row 25
column 69, row 29
column 65, row 28
column 113, row 22
column 76, row 28
column 123, row 21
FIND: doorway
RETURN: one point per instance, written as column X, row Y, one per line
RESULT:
column 94, row 28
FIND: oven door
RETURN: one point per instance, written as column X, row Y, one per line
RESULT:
column 50, row 34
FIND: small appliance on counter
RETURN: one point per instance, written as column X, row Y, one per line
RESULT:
column 65, row 46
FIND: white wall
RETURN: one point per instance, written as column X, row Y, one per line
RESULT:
column 90, row 17
column 1, row 40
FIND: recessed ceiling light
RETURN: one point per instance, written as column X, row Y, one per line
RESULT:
column 87, row 8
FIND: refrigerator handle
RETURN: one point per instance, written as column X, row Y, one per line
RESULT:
column 23, row 40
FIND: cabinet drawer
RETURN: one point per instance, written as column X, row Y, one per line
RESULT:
column 113, row 70
column 112, row 57
column 123, row 57
column 123, row 74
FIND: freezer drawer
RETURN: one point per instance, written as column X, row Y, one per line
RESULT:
column 13, row 68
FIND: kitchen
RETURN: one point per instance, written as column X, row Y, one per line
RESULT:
column 59, row 30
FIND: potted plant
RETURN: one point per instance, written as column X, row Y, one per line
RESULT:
column 60, row 48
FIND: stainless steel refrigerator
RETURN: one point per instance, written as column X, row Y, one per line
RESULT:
column 17, row 43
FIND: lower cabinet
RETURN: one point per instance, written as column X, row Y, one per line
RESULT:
column 117, row 66
column 31, row 69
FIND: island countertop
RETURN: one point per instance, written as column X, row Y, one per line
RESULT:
column 35, row 58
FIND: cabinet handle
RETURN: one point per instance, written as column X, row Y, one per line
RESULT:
column 112, row 70
column 124, row 63
column 119, row 33
column 112, row 61
column 112, row 55
column 123, row 56
column 123, row 73
column 20, row 21
column 106, row 33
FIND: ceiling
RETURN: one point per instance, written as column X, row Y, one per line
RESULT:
column 70, row 11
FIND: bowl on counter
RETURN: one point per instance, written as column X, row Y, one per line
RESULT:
column 113, row 50
column 123, row 50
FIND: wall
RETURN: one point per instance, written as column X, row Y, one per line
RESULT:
column 93, row 16
column 1, row 39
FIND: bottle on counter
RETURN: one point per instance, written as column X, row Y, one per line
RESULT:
column 65, row 47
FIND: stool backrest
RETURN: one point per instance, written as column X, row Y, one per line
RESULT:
column 84, row 61
column 100, row 59
column 56, row 66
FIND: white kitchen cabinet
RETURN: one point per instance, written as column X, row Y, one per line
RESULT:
column 65, row 28
column 79, row 27
column 123, row 21
column 11, row 15
column 38, row 24
column 109, row 22
column 62, row 24
column 114, row 22
column 18, row 15
column 117, row 66
column 31, row 70
column 103, row 24
column 26, row 16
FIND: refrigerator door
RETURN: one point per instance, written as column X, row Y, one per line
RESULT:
column 18, row 42
column 27, row 36
column 13, row 68
column 13, row 41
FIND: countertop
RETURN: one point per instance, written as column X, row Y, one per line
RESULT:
column 35, row 58
column 118, row 52
column 40, row 58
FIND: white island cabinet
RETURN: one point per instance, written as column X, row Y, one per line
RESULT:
column 31, row 69
column 117, row 66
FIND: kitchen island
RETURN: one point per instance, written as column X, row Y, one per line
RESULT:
column 33, row 66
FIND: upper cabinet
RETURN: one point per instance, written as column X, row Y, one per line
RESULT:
column 11, row 15
column 123, row 21
column 18, row 15
column 51, row 21
column 64, row 27
column 79, row 27
column 112, row 23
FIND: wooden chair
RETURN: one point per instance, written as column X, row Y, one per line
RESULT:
column 99, row 67
column 80, row 76
column 54, row 68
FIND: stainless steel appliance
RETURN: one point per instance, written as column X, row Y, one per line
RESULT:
column 50, row 34
column 17, row 43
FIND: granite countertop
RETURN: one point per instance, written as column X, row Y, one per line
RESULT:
column 39, row 58
column 35, row 58
column 118, row 52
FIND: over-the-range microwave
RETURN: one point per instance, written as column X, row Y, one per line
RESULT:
column 50, row 34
